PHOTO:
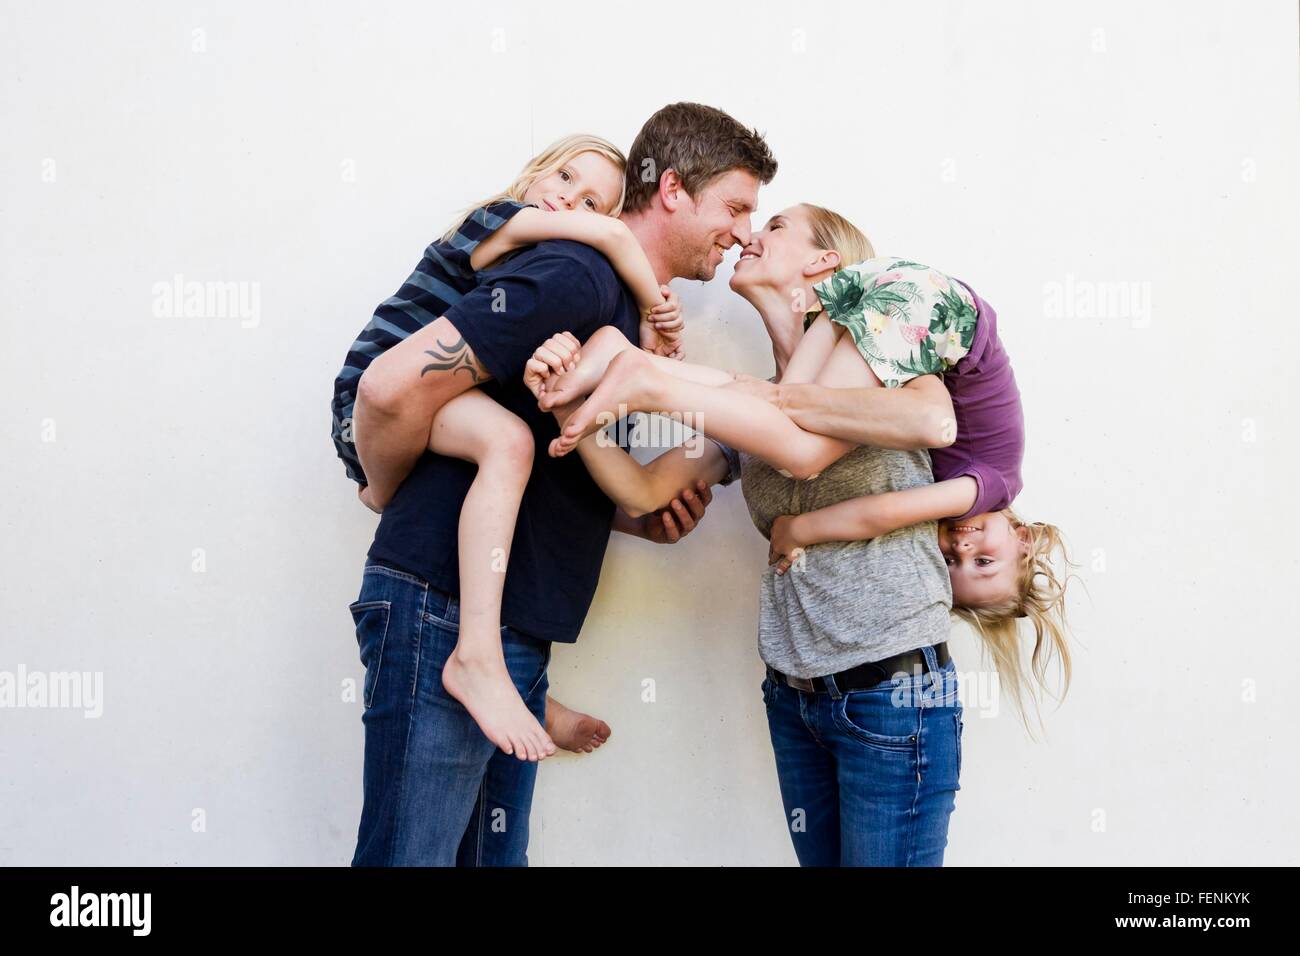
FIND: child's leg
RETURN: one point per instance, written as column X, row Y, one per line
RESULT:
column 397, row 397
column 474, row 427
column 742, row 421
column 599, row 350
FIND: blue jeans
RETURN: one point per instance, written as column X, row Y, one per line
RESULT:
column 437, row 792
column 869, row 778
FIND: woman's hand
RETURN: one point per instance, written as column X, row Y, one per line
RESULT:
column 557, row 355
column 661, row 333
column 784, row 546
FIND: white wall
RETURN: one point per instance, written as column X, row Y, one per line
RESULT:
column 313, row 149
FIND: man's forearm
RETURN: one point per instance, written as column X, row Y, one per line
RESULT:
column 904, row 418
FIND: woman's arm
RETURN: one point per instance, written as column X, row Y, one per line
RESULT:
column 871, row 516
column 918, row 415
column 605, row 234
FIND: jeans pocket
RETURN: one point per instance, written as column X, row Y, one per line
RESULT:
column 876, row 720
column 371, row 620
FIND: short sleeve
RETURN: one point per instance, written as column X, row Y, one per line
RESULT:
column 906, row 319
column 512, row 311
column 478, row 226
column 732, row 458
column 991, row 493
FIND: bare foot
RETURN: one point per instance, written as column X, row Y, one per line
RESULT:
column 569, row 386
column 368, row 500
column 626, row 387
column 579, row 733
column 485, row 688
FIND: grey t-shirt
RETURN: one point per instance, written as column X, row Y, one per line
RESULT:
column 852, row 601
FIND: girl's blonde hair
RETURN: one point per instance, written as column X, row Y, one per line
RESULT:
column 544, row 164
column 1040, row 597
column 830, row 230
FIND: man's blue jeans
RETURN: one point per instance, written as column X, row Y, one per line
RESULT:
column 437, row 792
column 869, row 778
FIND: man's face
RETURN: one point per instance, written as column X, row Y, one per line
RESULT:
column 711, row 222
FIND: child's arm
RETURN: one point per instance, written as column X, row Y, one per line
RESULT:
column 640, row 489
column 637, row 489
column 870, row 516
column 605, row 234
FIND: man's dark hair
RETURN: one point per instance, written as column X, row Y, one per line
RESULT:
column 699, row 143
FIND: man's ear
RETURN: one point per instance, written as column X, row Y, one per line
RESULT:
column 827, row 260
column 671, row 193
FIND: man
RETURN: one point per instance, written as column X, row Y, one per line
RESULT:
column 436, row 791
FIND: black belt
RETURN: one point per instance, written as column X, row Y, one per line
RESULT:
column 866, row 676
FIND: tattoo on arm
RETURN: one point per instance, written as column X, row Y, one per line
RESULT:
column 457, row 357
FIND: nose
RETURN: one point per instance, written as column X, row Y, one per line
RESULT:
column 741, row 232
column 564, row 201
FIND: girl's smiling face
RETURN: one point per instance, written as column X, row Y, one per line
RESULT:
column 983, row 556
column 588, row 182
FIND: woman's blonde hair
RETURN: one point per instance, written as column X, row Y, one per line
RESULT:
column 544, row 164
column 830, row 230
column 1040, row 597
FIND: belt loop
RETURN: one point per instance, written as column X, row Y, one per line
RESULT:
column 831, row 687
column 931, row 659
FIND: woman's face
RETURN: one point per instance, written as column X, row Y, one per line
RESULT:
column 777, row 254
column 983, row 557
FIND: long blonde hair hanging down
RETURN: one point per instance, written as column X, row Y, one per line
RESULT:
column 544, row 164
column 1040, row 599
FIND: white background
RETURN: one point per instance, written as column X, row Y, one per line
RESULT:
column 315, row 148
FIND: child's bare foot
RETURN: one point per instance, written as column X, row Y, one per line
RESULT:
column 368, row 500
column 579, row 733
column 627, row 386
column 605, row 343
column 485, row 688
column 572, row 385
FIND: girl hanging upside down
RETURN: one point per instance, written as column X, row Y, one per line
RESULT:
column 903, row 320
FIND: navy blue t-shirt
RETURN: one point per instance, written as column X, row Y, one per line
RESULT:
column 564, row 519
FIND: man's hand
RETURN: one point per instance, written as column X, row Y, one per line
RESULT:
column 758, row 387
column 670, row 524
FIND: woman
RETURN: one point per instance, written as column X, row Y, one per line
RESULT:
column 861, row 695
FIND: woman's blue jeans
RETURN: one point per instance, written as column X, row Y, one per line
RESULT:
column 869, row 778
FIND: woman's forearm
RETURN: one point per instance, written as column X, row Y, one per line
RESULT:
column 918, row 415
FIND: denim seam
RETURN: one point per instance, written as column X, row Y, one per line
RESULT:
column 410, row 724
column 367, row 698
column 913, row 813
column 394, row 573
column 478, row 824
